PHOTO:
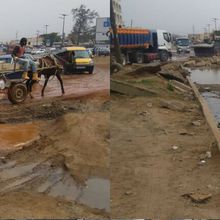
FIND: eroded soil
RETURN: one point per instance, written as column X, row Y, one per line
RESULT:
column 60, row 168
column 157, row 155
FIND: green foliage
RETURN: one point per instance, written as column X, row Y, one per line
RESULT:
column 51, row 38
column 83, row 28
column 170, row 86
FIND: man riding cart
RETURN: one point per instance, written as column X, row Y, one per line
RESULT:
column 18, row 55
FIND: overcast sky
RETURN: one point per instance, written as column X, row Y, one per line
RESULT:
column 28, row 16
column 176, row 16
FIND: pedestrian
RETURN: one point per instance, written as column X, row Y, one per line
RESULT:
column 18, row 55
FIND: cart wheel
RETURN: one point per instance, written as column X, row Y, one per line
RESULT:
column 17, row 93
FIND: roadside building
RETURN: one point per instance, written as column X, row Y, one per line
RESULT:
column 197, row 38
column 33, row 41
column 118, row 12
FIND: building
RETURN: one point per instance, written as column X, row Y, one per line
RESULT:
column 197, row 38
column 32, row 41
column 118, row 12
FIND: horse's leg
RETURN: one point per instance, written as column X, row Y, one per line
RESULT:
column 61, row 81
column 29, row 85
column 45, row 84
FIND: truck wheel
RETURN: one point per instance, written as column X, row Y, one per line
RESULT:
column 139, row 58
column 17, row 93
column 164, row 56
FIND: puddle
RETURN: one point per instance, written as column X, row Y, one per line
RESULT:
column 206, row 76
column 213, row 101
column 15, row 135
column 17, row 171
column 41, row 177
column 18, row 183
column 95, row 194
column 210, row 78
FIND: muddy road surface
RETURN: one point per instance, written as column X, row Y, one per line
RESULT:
column 54, row 155
column 163, row 155
column 74, row 85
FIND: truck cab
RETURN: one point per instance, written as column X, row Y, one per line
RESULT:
column 183, row 45
column 164, row 44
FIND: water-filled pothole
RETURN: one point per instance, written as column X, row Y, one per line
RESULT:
column 13, row 136
column 42, row 177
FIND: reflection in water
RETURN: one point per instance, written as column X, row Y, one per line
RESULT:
column 14, row 135
column 207, row 76
column 210, row 76
column 213, row 100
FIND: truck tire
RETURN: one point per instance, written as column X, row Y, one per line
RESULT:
column 139, row 58
column 17, row 93
column 164, row 56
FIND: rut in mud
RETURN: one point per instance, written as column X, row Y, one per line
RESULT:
column 54, row 155
column 69, row 161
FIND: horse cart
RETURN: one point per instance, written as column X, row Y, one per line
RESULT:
column 16, row 88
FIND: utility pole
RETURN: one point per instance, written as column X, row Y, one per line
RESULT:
column 63, row 33
column 117, row 48
column 215, row 21
column 209, row 28
column 193, row 32
column 131, row 23
column 46, row 26
column 37, row 37
column 16, row 36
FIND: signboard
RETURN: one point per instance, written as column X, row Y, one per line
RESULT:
column 102, row 29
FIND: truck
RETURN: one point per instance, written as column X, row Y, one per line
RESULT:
column 143, row 45
column 182, row 45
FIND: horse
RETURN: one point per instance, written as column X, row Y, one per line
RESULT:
column 49, row 66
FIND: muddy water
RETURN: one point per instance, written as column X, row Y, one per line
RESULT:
column 95, row 192
column 57, row 182
column 16, row 135
column 209, row 77
column 206, row 76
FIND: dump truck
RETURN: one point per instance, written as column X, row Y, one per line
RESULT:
column 143, row 45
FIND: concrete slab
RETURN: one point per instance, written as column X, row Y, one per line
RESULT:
column 207, row 113
column 129, row 89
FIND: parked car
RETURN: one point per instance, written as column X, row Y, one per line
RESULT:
column 38, row 51
column 6, row 58
column 103, row 51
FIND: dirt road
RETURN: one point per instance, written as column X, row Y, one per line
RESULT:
column 54, row 156
column 157, row 156
column 75, row 84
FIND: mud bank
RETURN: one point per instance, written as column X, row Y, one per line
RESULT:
column 54, row 157
column 160, row 143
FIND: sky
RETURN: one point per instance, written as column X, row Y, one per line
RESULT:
column 26, row 17
column 175, row 16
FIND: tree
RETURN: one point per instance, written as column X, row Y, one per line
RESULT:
column 50, row 38
column 83, row 29
column 117, row 49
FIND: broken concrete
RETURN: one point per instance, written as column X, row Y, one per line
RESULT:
column 130, row 89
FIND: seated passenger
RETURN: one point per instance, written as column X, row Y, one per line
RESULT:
column 18, row 54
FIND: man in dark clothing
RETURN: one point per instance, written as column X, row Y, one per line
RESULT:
column 18, row 55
